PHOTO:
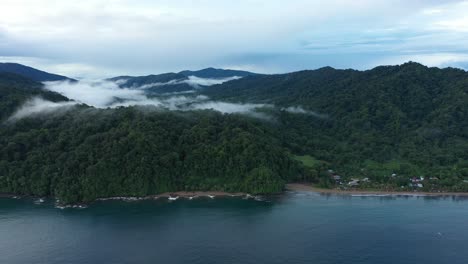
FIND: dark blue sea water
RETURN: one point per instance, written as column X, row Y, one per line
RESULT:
column 294, row 228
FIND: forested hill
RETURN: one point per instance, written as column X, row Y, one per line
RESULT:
column 86, row 153
column 409, row 119
column 33, row 74
column 386, row 98
column 327, row 86
column 16, row 89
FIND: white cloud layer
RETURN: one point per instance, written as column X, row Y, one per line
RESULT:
column 192, row 81
column 226, row 107
column 196, row 81
column 39, row 106
column 108, row 38
column 95, row 93
column 301, row 110
column 104, row 94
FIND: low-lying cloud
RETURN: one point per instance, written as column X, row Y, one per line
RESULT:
column 106, row 94
column 193, row 81
column 227, row 107
column 37, row 105
column 100, row 94
column 301, row 110
column 196, row 81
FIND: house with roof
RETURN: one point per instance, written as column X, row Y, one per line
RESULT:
column 354, row 183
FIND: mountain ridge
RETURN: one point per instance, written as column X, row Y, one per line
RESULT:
column 217, row 73
column 32, row 73
column 183, row 81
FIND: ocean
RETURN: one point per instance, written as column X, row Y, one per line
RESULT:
column 297, row 227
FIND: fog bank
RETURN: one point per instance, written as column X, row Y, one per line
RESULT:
column 37, row 105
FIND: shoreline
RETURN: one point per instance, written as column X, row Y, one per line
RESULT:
column 304, row 187
column 171, row 196
column 177, row 195
column 312, row 188
column 12, row 195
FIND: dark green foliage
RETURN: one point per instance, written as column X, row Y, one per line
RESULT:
column 263, row 180
column 407, row 120
column 88, row 153
column 410, row 115
column 15, row 90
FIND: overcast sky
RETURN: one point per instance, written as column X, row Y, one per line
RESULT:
column 101, row 38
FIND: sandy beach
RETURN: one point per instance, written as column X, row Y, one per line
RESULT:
column 311, row 188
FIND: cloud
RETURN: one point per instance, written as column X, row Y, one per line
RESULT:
column 193, row 81
column 196, row 81
column 300, row 110
column 225, row 107
column 431, row 59
column 169, row 103
column 152, row 85
column 106, row 94
column 199, row 102
column 37, row 106
column 458, row 24
column 101, row 37
column 99, row 94
column 178, row 93
column 70, row 69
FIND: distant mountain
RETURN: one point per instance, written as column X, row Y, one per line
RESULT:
column 34, row 74
column 137, row 81
column 217, row 73
column 155, row 84
column 178, row 82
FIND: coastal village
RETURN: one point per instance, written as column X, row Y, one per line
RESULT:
column 414, row 183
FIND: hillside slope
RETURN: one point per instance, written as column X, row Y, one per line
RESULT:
column 407, row 119
column 16, row 89
column 31, row 73
column 86, row 153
